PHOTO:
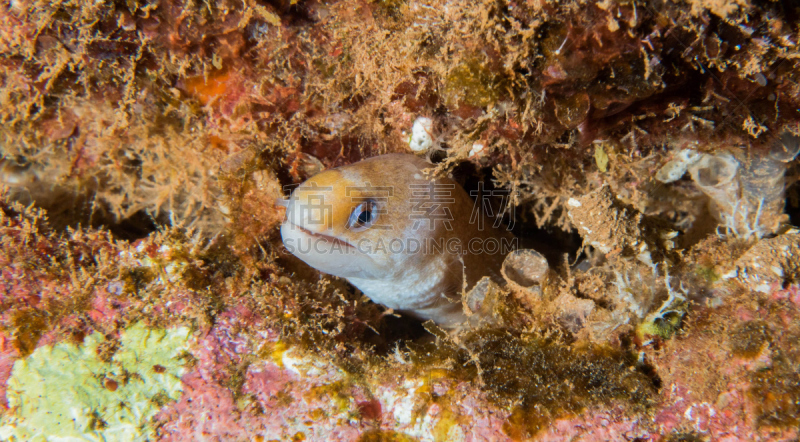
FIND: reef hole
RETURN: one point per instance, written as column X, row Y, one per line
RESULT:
column 792, row 206
column 550, row 240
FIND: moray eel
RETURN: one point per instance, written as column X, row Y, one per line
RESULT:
column 410, row 243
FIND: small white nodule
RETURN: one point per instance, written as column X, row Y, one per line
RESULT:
column 421, row 139
column 477, row 148
column 573, row 202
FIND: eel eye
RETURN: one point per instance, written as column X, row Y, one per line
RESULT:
column 363, row 216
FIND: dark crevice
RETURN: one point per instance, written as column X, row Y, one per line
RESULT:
column 792, row 207
column 137, row 226
column 550, row 241
column 393, row 331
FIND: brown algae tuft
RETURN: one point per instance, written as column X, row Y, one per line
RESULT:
column 28, row 326
column 776, row 391
column 472, row 83
column 540, row 378
column 749, row 338
column 385, row 436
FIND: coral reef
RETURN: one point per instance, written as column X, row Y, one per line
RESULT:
column 645, row 155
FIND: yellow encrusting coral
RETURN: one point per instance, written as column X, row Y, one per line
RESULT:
column 67, row 391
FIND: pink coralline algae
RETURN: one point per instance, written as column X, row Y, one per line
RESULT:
column 226, row 397
column 728, row 418
column 595, row 425
column 8, row 354
column 252, row 385
column 791, row 293
column 207, row 409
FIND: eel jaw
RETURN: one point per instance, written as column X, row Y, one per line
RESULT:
column 322, row 237
column 328, row 254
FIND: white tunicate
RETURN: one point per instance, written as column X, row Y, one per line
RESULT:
column 673, row 170
column 714, row 175
column 763, row 185
column 786, row 148
column 747, row 196
column 525, row 269
column 689, row 155
column 714, row 171
column 421, row 139
column 481, row 300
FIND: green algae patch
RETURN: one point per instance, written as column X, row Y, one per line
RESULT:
column 601, row 158
column 67, row 392
column 661, row 325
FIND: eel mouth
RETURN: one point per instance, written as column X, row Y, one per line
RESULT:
column 331, row 239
